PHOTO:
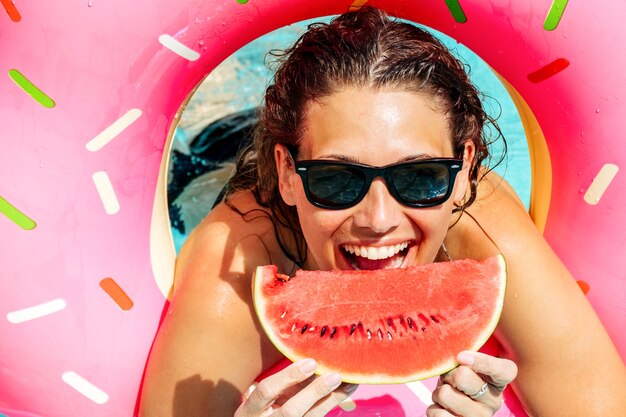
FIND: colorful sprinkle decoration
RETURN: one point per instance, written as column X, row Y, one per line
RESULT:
column 16, row 216
column 13, row 13
column 555, row 14
column 548, row 71
column 116, row 293
column 456, row 10
column 30, row 88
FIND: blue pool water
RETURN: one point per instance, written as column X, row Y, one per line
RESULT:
column 239, row 83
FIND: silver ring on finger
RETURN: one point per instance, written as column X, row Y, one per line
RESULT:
column 480, row 392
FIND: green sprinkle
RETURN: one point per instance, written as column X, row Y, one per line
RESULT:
column 555, row 14
column 16, row 217
column 242, row 1
column 456, row 10
column 31, row 89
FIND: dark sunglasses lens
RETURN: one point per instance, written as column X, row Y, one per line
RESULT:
column 421, row 183
column 335, row 185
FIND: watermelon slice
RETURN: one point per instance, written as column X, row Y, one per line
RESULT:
column 382, row 326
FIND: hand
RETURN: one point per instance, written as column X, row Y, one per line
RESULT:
column 474, row 389
column 295, row 392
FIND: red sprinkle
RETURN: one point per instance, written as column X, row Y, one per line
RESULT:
column 12, row 11
column 583, row 286
column 549, row 70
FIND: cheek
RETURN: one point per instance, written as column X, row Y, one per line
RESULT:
column 319, row 224
column 315, row 221
column 432, row 227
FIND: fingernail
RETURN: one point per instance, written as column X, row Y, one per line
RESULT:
column 465, row 358
column 332, row 380
column 350, row 387
column 307, row 366
column 348, row 405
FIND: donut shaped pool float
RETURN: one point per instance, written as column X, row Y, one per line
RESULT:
column 90, row 92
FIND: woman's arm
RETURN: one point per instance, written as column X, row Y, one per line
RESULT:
column 567, row 363
column 210, row 347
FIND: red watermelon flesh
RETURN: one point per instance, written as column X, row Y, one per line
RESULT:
column 382, row 326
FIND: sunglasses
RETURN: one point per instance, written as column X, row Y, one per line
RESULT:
column 337, row 185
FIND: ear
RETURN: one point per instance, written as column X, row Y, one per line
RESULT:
column 463, row 178
column 286, row 174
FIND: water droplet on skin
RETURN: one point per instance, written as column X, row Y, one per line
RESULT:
column 598, row 110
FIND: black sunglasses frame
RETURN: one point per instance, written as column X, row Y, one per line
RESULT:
column 454, row 166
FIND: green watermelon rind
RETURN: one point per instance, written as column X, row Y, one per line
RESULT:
column 370, row 378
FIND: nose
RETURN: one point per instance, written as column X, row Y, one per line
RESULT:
column 378, row 211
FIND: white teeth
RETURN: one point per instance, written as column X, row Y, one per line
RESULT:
column 376, row 252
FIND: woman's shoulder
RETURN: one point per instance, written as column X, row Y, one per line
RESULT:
column 493, row 222
column 238, row 235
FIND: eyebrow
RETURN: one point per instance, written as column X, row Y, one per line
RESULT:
column 346, row 158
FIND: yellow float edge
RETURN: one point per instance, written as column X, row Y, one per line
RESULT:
column 540, row 164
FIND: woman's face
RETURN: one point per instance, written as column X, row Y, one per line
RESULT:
column 373, row 127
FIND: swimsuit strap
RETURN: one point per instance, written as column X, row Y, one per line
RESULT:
column 443, row 244
column 484, row 231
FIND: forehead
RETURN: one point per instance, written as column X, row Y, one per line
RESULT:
column 375, row 126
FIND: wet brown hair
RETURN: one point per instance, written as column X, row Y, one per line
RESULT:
column 363, row 48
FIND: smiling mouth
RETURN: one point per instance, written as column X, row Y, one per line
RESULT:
column 375, row 257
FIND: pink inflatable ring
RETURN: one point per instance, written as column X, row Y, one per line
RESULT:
column 90, row 93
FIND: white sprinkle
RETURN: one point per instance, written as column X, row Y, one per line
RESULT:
column 36, row 311
column 178, row 48
column 600, row 183
column 106, row 192
column 117, row 127
column 421, row 391
column 85, row 387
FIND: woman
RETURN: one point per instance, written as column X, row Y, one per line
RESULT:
column 359, row 93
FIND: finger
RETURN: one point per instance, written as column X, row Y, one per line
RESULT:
column 336, row 398
column 499, row 372
column 305, row 400
column 458, row 403
column 435, row 410
column 470, row 383
column 271, row 387
column 291, row 390
column 464, row 379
